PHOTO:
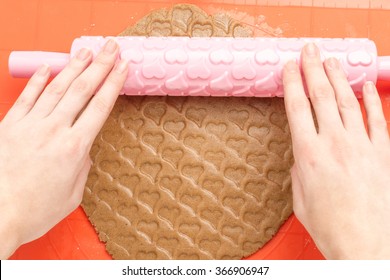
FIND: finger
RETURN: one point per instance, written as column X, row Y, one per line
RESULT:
column 60, row 84
column 93, row 117
column 29, row 95
column 347, row 103
column 297, row 105
column 376, row 121
column 320, row 91
column 83, row 87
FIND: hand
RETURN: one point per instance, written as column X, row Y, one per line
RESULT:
column 341, row 175
column 45, row 142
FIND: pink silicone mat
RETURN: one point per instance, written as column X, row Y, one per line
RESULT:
column 53, row 24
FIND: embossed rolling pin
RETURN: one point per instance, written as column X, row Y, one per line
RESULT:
column 214, row 66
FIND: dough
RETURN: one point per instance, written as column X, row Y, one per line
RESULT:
column 190, row 177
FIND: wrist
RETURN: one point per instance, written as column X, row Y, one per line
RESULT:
column 9, row 233
column 369, row 250
column 8, row 244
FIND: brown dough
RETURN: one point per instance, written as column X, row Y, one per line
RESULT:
column 190, row 178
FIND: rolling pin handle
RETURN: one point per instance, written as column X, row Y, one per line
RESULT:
column 384, row 68
column 23, row 64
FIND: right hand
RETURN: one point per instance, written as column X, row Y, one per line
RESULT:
column 341, row 175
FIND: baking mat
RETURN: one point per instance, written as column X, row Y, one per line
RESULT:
column 46, row 25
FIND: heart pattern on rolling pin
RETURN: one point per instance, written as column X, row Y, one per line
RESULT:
column 267, row 57
column 359, row 58
column 176, row 56
column 221, row 57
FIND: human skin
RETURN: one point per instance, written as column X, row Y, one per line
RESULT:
column 341, row 175
column 45, row 142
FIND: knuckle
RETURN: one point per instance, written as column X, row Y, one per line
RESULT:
column 348, row 103
column 55, row 89
column 312, row 63
column 23, row 101
column 115, row 82
column 74, row 147
column 321, row 92
column 298, row 105
column 291, row 75
column 81, row 85
column 379, row 123
column 104, row 61
column 100, row 105
column 36, row 83
column 308, row 157
column 292, row 84
column 52, row 127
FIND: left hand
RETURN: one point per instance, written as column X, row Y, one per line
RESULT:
column 45, row 142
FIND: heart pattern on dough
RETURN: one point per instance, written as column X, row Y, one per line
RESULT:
column 181, row 178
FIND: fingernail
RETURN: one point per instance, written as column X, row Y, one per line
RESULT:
column 291, row 66
column 121, row 66
column 311, row 49
column 43, row 70
column 110, row 47
column 332, row 63
column 83, row 54
column 369, row 87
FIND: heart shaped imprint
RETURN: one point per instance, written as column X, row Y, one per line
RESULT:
column 203, row 182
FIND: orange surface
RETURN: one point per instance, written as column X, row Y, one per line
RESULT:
column 53, row 24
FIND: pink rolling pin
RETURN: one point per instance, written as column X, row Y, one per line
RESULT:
column 185, row 66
